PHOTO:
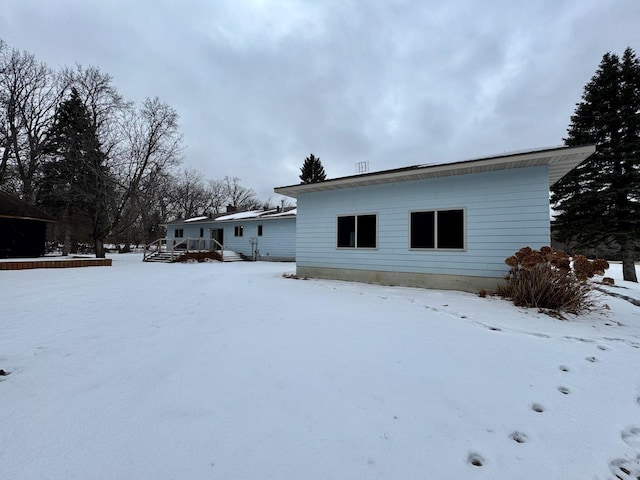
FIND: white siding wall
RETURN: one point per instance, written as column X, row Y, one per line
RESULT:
column 278, row 240
column 505, row 210
column 190, row 230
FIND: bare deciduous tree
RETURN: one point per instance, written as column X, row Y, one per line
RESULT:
column 218, row 195
column 190, row 195
column 151, row 148
column 241, row 197
column 29, row 94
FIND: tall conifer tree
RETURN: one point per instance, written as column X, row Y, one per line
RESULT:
column 75, row 183
column 312, row 170
column 599, row 201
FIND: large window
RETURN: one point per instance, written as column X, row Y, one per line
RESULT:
column 437, row 229
column 357, row 231
column 178, row 233
column 238, row 231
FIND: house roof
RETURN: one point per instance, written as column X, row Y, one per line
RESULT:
column 13, row 207
column 229, row 217
column 560, row 160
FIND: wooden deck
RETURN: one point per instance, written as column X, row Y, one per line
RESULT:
column 27, row 264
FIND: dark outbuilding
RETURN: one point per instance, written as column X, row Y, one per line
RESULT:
column 23, row 228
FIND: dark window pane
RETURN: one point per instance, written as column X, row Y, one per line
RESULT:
column 422, row 230
column 347, row 231
column 259, row 230
column 366, row 231
column 451, row 229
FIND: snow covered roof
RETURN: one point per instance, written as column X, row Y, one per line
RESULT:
column 244, row 215
column 293, row 211
column 560, row 160
column 248, row 215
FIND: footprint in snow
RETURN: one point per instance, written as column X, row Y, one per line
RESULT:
column 564, row 390
column 631, row 436
column 475, row 459
column 518, row 437
column 536, row 407
column 490, row 327
column 626, row 469
column 591, row 359
column 540, row 335
column 585, row 340
column 564, row 368
column 602, row 347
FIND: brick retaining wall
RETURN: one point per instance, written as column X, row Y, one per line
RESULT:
column 71, row 263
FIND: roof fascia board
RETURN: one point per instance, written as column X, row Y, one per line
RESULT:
column 559, row 155
column 15, row 217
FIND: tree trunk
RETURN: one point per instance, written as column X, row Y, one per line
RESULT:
column 627, row 250
column 66, row 245
column 99, row 243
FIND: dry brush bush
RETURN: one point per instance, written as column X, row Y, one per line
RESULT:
column 549, row 279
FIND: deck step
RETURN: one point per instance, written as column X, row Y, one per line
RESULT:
column 231, row 256
column 168, row 257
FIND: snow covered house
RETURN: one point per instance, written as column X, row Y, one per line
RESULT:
column 257, row 234
column 447, row 226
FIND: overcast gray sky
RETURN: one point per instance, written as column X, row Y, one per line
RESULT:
column 260, row 84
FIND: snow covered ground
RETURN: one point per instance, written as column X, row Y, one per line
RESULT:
column 230, row 371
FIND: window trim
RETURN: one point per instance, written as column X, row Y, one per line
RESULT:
column 238, row 231
column 435, row 230
column 175, row 233
column 355, row 216
column 260, row 230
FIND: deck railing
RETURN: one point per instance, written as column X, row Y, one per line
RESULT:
column 176, row 246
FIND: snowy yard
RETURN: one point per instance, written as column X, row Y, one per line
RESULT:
column 230, row 371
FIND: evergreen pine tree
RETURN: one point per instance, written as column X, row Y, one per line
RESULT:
column 599, row 200
column 312, row 170
column 74, row 182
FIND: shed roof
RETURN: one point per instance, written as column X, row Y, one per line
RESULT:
column 13, row 207
column 560, row 160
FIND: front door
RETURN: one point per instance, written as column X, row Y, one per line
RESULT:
column 218, row 235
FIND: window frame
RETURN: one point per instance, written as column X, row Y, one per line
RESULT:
column 355, row 240
column 238, row 231
column 435, row 230
column 175, row 233
column 260, row 230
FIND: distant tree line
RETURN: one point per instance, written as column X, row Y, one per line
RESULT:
column 105, row 168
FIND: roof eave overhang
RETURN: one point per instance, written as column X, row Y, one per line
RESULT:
column 22, row 217
column 560, row 160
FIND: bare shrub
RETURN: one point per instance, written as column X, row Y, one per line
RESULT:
column 545, row 279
